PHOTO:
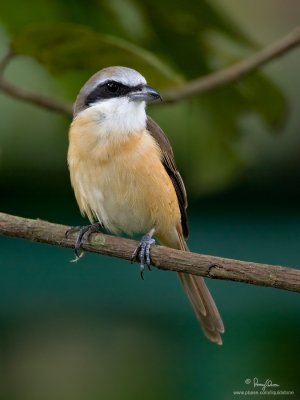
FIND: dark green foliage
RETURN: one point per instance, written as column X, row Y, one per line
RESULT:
column 64, row 48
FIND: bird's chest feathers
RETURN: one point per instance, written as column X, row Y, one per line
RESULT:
column 108, row 175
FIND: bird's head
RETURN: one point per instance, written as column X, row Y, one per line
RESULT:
column 116, row 97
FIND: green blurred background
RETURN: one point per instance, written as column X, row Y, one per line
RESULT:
column 94, row 330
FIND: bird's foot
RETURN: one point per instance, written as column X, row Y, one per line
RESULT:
column 142, row 252
column 83, row 231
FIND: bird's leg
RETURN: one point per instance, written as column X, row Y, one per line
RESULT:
column 83, row 231
column 142, row 252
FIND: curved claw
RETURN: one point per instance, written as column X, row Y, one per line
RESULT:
column 142, row 253
column 82, row 232
column 71, row 230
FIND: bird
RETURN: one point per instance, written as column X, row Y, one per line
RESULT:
column 125, row 179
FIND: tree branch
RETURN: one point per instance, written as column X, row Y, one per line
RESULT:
column 192, row 88
column 235, row 72
column 28, row 96
column 163, row 257
column 35, row 98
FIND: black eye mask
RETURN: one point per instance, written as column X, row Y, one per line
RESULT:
column 109, row 90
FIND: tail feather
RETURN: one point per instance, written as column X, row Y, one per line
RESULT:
column 202, row 302
column 204, row 306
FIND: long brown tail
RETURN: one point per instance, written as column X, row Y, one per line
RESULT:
column 202, row 302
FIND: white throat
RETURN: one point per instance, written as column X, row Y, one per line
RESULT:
column 116, row 117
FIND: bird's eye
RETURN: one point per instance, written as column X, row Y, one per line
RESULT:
column 112, row 87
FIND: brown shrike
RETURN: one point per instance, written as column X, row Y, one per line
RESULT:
column 125, row 178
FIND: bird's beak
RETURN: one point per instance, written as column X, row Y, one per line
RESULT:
column 145, row 93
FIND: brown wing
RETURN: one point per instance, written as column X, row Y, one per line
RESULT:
column 170, row 166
